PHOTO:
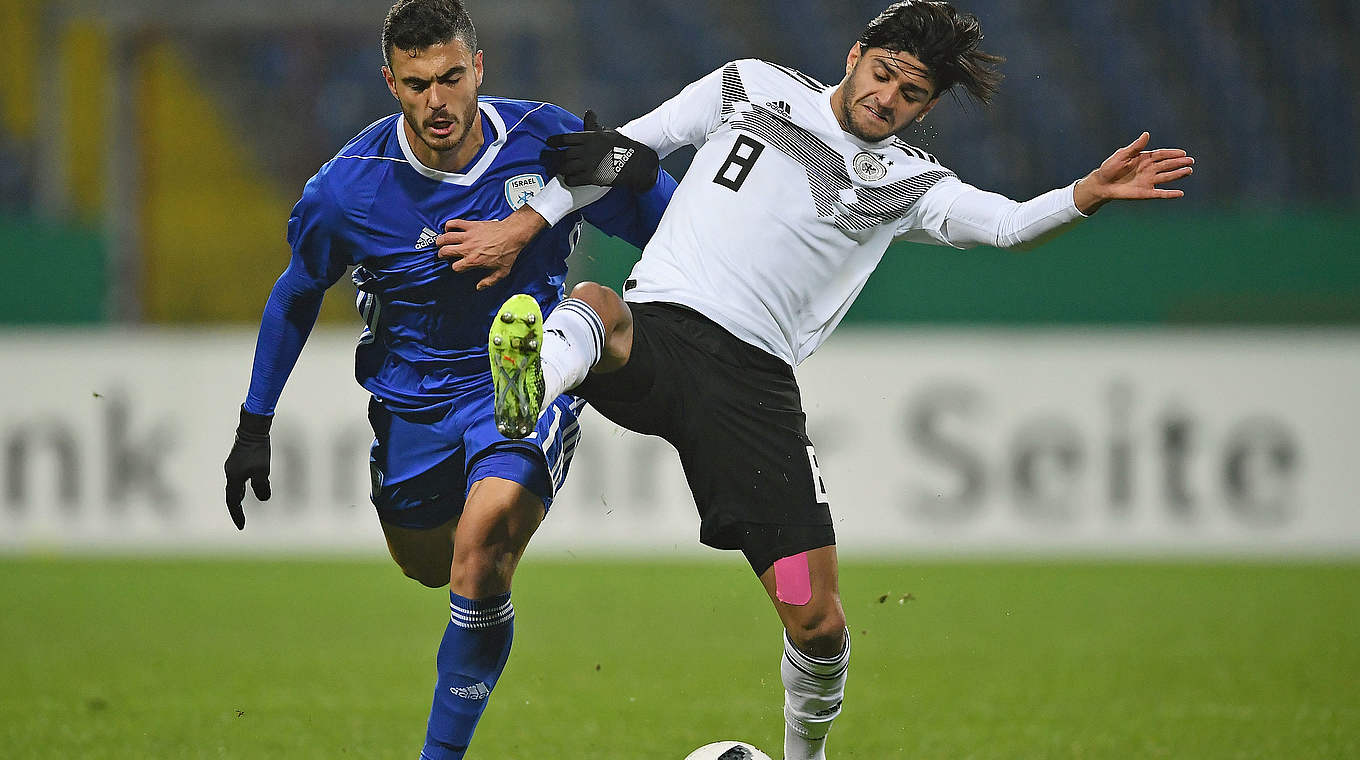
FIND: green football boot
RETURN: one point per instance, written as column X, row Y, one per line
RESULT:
column 514, row 344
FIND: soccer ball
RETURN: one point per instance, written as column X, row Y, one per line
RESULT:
column 727, row 750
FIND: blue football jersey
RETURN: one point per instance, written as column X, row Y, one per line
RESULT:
column 376, row 207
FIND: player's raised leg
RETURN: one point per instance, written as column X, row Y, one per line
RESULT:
column 592, row 331
column 514, row 343
column 816, row 656
column 498, row 520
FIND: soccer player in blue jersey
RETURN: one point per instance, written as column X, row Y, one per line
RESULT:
column 457, row 500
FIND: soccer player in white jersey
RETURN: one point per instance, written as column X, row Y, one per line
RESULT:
column 795, row 193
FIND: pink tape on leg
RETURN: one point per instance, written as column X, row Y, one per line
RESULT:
column 793, row 580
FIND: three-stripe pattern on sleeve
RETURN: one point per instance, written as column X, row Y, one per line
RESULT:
column 798, row 76
column 733, row 91
column 912, row 150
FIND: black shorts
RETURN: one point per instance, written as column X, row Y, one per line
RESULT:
column 734, row 414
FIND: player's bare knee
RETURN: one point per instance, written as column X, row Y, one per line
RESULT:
column 484, row 570
column 820, row 634
column 498, row 520
column 485, row 558
column 617, row 319
column 421, row 561
column 426, row 573
column 606, row 303
column 595, row 295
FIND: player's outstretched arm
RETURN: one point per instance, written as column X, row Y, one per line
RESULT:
column 491, row 245
column 594, row 157
column 1133, row 173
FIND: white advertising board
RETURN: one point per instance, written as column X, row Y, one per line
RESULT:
column 930, row 442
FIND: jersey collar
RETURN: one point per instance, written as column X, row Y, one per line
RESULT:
column 477, row 170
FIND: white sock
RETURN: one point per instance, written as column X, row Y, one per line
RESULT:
column 573, row 341
column 813, row 689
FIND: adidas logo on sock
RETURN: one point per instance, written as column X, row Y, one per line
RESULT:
column 476, row 691
column 426, row 239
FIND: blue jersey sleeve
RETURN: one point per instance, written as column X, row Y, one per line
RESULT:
column 629, row 216
column 318, row 261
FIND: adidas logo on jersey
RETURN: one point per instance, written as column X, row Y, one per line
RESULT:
column 476, row 691
column 426, row 239
column 780, row 106
column 619, row 158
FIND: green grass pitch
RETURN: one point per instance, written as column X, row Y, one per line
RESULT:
column 114, row 658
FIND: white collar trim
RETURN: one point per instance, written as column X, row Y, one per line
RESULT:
column 477, row 170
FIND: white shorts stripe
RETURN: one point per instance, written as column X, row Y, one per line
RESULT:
column 557, row 434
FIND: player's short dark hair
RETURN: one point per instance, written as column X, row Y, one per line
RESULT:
column 945, row 39
column 418, row 24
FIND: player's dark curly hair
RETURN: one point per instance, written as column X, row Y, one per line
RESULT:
column 945, row 40
column 418, row 24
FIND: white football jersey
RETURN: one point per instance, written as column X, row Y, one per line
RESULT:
column 783, row 215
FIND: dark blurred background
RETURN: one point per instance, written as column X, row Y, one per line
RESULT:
column 150, row 151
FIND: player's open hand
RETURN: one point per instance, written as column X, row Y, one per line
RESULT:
column 248, row 460
column 1133, row 173
column 493, row 245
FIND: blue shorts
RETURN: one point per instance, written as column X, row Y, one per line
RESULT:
column 422, row 463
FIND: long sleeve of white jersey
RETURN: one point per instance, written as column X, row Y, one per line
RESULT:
column 686, row 119
column 957, row 214
column 556, row 200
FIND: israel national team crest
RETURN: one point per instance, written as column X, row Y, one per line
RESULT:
column 520, row 188
column 869, row 167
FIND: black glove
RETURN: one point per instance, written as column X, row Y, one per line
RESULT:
column 248, row 460
column 598, row 156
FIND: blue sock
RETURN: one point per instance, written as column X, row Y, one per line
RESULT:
column 471, row 657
